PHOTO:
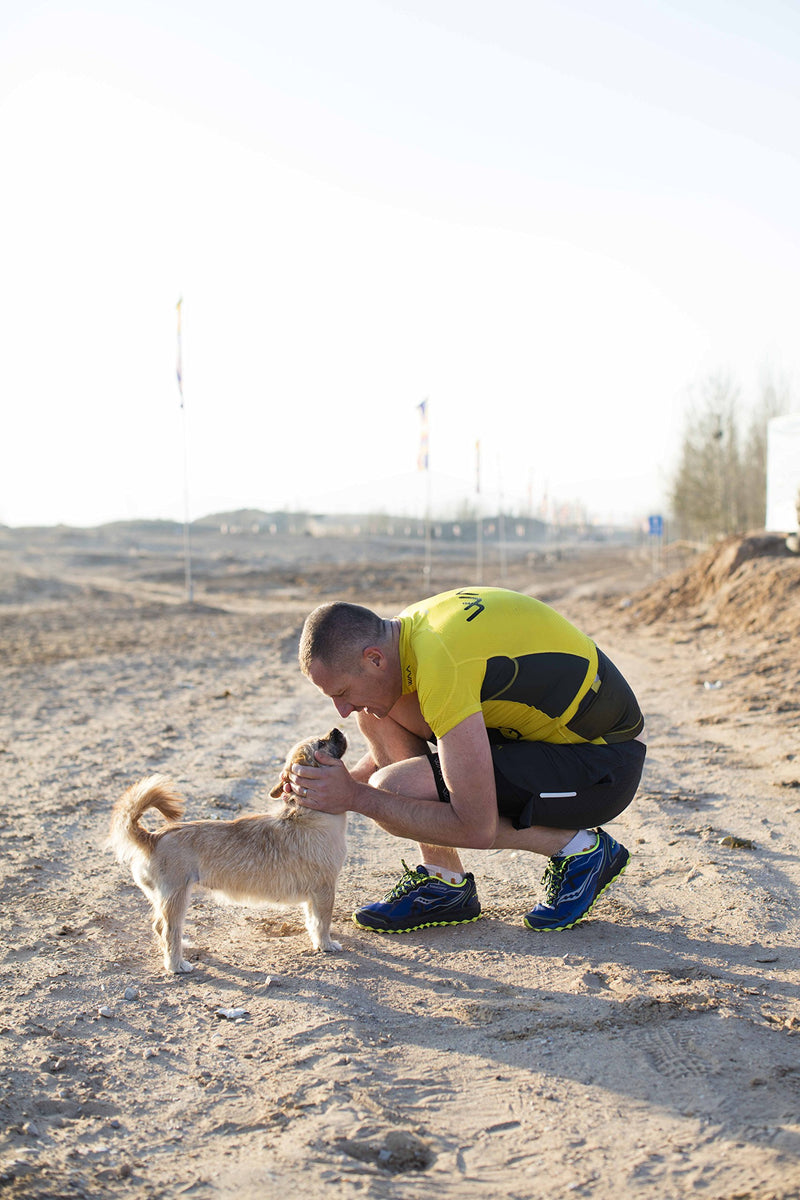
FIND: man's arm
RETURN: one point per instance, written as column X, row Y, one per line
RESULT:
column 468, row 821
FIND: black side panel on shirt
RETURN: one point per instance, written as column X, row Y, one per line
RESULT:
column 548, row 682
column 612, row 711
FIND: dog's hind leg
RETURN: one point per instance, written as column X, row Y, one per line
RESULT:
column 144, row 882
column 319, row 912
column 159, row 923
column 173, row 911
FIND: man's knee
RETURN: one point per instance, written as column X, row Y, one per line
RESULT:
column 391, row 778
column 412, row 777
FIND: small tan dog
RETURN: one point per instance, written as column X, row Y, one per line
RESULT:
column 291, row 857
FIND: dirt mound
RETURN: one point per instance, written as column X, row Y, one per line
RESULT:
column 748, row 583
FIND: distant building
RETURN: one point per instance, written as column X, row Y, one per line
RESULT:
column 783, row 473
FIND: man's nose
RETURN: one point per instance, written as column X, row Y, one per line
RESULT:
column 343, row 708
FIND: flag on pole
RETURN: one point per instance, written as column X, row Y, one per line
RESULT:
column 422, row 457
column 179, row 365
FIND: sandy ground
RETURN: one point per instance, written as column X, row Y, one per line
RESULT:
column 653, row 1050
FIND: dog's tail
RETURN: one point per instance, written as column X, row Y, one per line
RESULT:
column 127, row 835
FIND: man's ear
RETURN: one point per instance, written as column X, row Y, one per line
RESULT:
column 372, row 656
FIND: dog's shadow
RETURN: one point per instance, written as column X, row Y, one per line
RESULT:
column 211, row 965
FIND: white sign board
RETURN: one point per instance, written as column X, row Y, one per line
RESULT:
column 783, row 473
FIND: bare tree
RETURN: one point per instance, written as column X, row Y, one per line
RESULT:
column 704, row 497
column 774, row 399
column 720, row 483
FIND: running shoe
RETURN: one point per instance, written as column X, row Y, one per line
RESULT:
column 419, row 900
column 572, row 884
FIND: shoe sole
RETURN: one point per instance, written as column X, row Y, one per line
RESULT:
column 583, row 916
column 414, row 928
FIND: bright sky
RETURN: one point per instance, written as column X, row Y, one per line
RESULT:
column 552, row 218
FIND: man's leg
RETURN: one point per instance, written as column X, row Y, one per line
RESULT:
column 578, row 789
column 439, row 893
column 420, row 899
column 583, row 861
column 538, row 839
column 397, row 762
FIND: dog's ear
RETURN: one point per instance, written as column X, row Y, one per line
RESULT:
column 303, row 755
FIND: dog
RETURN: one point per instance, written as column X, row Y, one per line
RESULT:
column 293, row 856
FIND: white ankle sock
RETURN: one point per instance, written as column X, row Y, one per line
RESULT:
column 443, row 873
column 584, row 840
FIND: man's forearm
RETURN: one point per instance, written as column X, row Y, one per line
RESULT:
column 427, row 821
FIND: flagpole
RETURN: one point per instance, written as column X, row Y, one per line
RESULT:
column 187, row 541
column 423, row 464
column 426, row 570
column 478, row 521
column 501, row 527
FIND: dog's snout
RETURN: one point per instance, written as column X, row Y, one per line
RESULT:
column 338, row 742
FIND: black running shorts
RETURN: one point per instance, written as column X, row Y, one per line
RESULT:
column 560, row 786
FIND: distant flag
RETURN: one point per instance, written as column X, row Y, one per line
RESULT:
column 422, row 457
column 179, row 366
column 544, row 505
column 478, row 466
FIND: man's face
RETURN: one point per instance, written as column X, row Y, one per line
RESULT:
column 366, row 688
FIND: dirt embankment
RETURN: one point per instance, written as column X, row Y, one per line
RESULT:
column 750, row 584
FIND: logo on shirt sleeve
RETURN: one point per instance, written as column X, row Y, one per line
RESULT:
column 472, row 604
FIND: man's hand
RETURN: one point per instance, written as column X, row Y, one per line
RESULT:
column 328, row 787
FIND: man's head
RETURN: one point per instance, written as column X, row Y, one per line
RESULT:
column 349, row 653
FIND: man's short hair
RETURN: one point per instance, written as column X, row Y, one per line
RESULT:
column 335, row 634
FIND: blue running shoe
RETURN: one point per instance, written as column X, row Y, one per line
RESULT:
column 573, row 884
column 418, row 900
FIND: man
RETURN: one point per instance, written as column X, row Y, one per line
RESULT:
column 538, row 740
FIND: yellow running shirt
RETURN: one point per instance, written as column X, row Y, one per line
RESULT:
column 534, row 675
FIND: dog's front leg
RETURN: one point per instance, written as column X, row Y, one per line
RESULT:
column 319, row 913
